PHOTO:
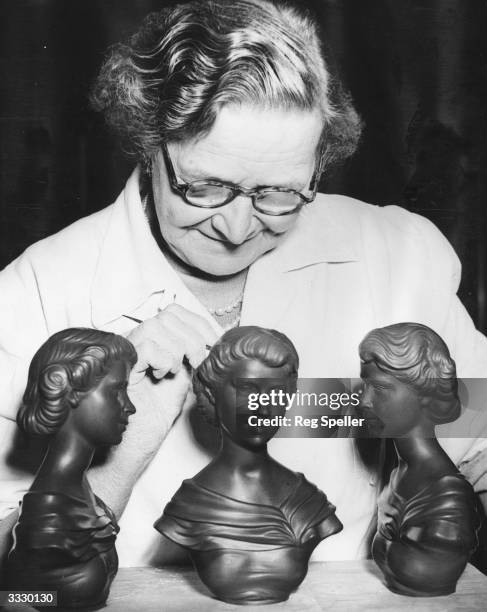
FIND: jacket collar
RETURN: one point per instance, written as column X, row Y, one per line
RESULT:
column 131, row 266
column 322, row 234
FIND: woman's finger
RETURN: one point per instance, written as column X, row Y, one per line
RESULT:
column 193, row 321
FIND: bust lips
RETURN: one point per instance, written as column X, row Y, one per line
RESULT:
column 123, row 425
column 374, row 425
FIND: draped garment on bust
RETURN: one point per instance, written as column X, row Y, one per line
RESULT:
column 66, row 544
column 423, row 543
column 201, row 519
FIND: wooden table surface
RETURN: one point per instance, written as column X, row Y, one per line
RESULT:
column 338, row 586
column 343, row 586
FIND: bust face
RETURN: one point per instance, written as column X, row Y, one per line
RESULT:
column 231, row 400
column 102, row 415
column 392, row 408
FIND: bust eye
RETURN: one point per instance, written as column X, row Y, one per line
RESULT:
column 118, row 392
column 379, row 388
column 244, row 387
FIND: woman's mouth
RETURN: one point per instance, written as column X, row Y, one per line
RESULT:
column 228, row 243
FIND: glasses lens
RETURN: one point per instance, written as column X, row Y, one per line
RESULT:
column 278, row 202
column 205, row 194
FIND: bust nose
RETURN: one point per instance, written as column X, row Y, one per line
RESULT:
column 264, row 410
column 234, row 221
column 129, row 408
column 366, row 398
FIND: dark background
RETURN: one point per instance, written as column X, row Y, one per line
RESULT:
column 417, row 70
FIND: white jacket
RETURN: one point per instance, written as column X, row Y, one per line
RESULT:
column 345, row 268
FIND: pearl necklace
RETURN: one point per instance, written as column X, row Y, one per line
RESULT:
column 220, row 312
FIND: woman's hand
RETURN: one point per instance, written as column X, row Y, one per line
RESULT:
column 158, row 388
column 167, row 346
column 164, row 341
column 158, row 403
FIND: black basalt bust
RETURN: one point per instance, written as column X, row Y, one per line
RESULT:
column 427, row 519
column 64, row 539
column 249, row 523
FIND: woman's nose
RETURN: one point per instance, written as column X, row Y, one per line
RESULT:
column 235, row 220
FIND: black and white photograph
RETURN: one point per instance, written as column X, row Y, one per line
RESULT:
column 243, row 305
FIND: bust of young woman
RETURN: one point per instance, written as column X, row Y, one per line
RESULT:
column 76, row 394
column 427, row 519
column 250, row 524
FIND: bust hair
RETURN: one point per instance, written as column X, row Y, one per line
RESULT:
column 187, row 61
column 70, row 363
column 417, row 356
column 269, row 346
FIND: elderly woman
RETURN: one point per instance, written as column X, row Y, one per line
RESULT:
column 427, row 517
column 233, row 115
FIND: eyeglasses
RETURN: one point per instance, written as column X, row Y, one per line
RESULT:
column 275, row 201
